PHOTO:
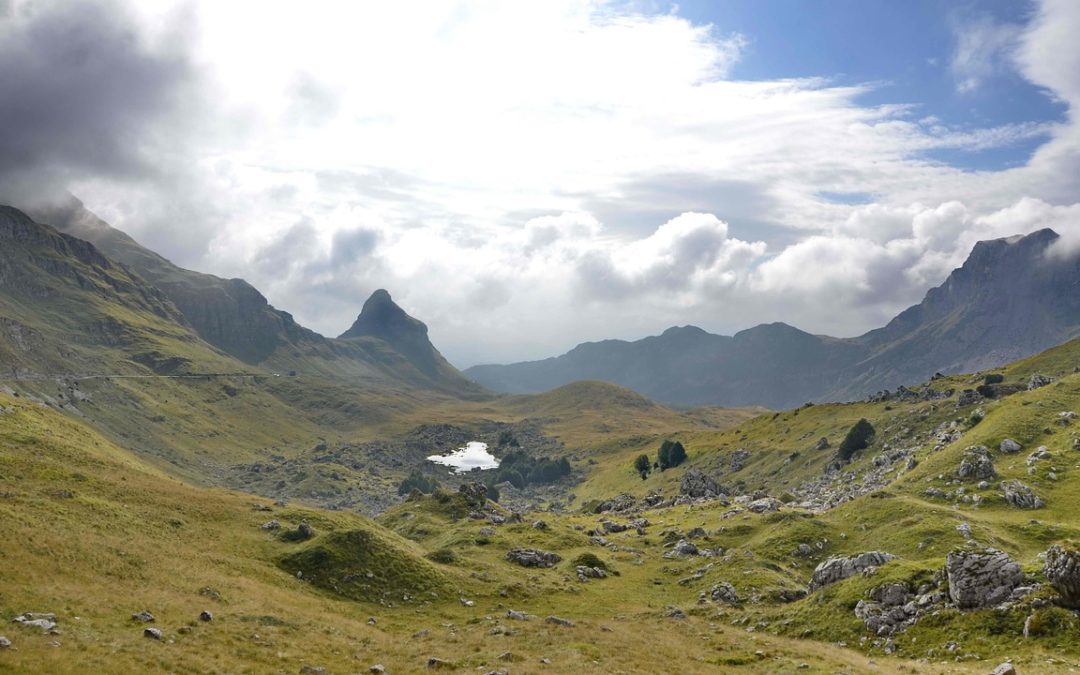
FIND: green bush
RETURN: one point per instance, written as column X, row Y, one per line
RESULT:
column 994, row 378
column 858, row 437
column 642, row 465
column 671, row 454
column 443, row 556
column 418, row 481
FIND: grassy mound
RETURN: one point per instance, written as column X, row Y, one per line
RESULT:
column 363, row 565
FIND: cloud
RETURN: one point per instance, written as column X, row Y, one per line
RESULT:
column 522, row 176
column 85, row 93
column 984, row 49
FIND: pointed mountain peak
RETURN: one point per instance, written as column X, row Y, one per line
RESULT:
column 381, row 317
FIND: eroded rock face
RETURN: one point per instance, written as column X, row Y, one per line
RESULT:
column 1063, row 572
column 530, row 557
column 983, row 578
column 976, row 465
column 836, row 569
column 698, row 485
column 1021, row 496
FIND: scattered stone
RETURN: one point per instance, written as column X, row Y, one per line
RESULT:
column 4, row 642
column 313, row 670
column 434, row 663
column 271, row 525
column 377, row 668
column 584, row 573
column 1009, row 446
column 976, row 464
column 1021, row 496
column 530, row 557
column 143, row 616
column 725, row 593
column 1040, row 453
column 766, row 505
column 558, row 621
column 979, row 579
column 516, row 615
column 617, row 504
column 206, row 616
column 371, row 621
column 152, row 633
column 540, row 525
column 836, row 569
column 822, row 444
column 1038, row 380
column 965, row 531
column 1062, row 570
column 696, row 533
column 613, row 528
column 487, row 531
column 698, row 485
column 682, row 549
column 675, row 613
column 46, row 621
column 1004, row 669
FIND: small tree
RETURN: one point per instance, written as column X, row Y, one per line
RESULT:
column 671, row 454
column 642, row 466
column 858, row 437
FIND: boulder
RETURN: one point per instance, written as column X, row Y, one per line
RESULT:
column 206, row 616
column 531, row 557
column 540, row 525
column 271, row 525
column 1009, row 446
column 46, row 621
column 764, row 505
column 698, row 485
column 1062, row 570
column 558, row 621
column 682, row 549
column 1038, row 380
column 836, row 569
column 153, row 633
column 976, row 464
column 1021, row 496
column 724, row 592
column 979, row 579
column 436, row 663
column 1004, row 669
column 4, row 642
column 822, row 444
column 516, row 615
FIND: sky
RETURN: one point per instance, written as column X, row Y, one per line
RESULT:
column 527, row 176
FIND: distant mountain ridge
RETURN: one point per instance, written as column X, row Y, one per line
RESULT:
column 1009, row 300
column 235, row 317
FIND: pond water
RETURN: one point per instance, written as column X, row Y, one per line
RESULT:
column 473, row 456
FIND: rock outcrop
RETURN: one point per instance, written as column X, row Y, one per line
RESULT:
column 1021, row 496
column 531, row 557
column 979, row 579
column 1063, row 572
column 836, row 569
column 698, row 485
column 976, row 465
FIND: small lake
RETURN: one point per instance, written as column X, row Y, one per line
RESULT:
column 473, row 456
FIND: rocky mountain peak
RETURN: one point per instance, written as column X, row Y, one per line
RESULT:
column 381, row 317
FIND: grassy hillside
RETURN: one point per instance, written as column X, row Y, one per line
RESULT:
column 101, row 535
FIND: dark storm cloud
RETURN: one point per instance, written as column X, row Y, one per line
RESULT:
column 83, row 94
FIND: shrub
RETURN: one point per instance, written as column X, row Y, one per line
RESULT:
column 642, row 465
column 418, row 481
column 671, row 454
column 858, row 437
column 493, row 493
column 994, row 378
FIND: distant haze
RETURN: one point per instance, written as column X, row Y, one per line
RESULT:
column 524, row 177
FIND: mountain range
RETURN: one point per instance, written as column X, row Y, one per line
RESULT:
column 1010, row 299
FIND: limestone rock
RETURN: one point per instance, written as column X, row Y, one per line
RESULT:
column 153, row 633
column 698, row 485
column 1063, row 572
column 1021, row 496
column 1009, row 446
column 976, row 464
column 983, row 578
column 766, row 505
column 836, row 569
column 530, row 557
